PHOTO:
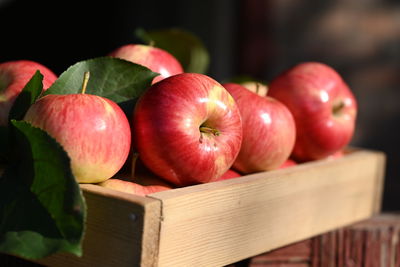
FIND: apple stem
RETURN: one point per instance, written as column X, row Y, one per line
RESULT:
column 205, row 129
column 152, row 43
column 86, row 77
column 337, row 108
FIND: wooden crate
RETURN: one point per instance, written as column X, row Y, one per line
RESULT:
column 223, row 222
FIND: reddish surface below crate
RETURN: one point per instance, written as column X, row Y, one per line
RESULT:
column 371, row 243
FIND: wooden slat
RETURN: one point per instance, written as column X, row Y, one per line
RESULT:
column 297, row 254
column 381, row 240
column 219, row 223
column 370, row 243
column 379, row 174
column 122, row 230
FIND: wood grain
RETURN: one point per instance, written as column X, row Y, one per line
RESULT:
column 370, row 243
column 297, row 254
column 122, row 230
column 219, row 223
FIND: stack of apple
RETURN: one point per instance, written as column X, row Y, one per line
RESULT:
column 187, row 128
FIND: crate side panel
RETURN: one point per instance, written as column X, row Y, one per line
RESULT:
column 220, row 223
column 121, row 230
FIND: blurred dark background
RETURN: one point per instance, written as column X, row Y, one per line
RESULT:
column 261, row 38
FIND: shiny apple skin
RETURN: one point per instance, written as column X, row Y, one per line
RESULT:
column 166, row 129
column 93, row 130
column 311, row 90
column 288, row 163
column 229, row 174
column 268, row 131
column 156, row 59
column 14, row 75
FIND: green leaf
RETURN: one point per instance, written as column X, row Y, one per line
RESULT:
column 42, row 209
column 113, row 78
column 27, row 97
column 244, row 78
column 24, row 100
column 185, row 46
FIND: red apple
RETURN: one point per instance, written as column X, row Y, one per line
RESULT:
column 150, row 180
column 288, row 163
column 156, row 59
column 133, row 188
column 93, row 130
column 142, row 176
column 268, row 131
column 229, row 174
column 323, row 107
column 337, row 155
column 187, row 129
column 13, row 77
